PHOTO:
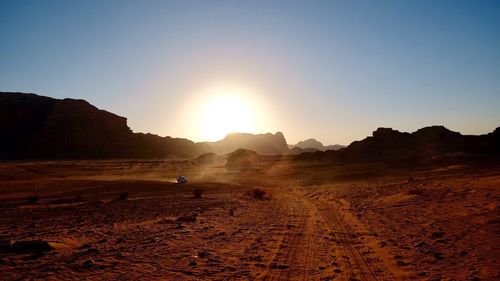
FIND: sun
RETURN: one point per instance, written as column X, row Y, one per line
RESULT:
column 226, row 113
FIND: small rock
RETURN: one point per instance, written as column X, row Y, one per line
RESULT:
column 437, row 234
column 401, row 263
column 279, row 266
column 463, row 253
column 167, row 221
column 189, row 218
column 91, row 250
column 438, row 256
column 419, row 244
column 85, row 246
column 88, row 263
column 202, row 254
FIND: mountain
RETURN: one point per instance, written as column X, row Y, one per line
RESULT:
column 313, row 144
column 426, row 144
column 37, row 127
column 265, row 144
column 34, row 126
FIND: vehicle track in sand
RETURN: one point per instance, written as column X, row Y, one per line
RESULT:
column 319, row 245
column 361, row 261
column 360, row 268
column 292, row 259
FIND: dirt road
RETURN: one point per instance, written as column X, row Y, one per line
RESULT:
column 319, row 244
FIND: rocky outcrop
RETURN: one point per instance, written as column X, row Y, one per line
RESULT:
column 22, row 118
column 298, row 150
column 424, row 145
column 75, row 128
column 33, row 126
column 265, row 144
column 312, row 144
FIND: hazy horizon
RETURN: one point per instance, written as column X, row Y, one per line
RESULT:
column 330, row 70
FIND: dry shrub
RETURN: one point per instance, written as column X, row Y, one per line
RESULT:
column 198, row 193
column 258, row 193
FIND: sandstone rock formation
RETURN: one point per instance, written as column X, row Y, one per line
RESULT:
column 265, row 144
column 424, row 145
column 37, row 127
column 33, row 126
column 309, row 144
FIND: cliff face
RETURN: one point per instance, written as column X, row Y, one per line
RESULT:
column 40, row 127
column 427, row 143
column 75, row 128
column 22, row 118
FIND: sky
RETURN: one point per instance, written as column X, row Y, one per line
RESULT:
column 331, row 70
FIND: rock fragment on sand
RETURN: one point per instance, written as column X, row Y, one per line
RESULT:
column 437, row 234
column 202, row 254
column 88, row 263
column 31, row 246
column 188, row 218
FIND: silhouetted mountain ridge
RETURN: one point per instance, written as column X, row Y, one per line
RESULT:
column 427, row 145
column 267, row 144
column 34, row 126
column 311, row 145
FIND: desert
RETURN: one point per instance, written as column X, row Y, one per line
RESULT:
column 362, row 222
column 262, row 140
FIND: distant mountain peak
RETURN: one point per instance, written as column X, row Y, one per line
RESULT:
column 268, row 143
column 312, row 144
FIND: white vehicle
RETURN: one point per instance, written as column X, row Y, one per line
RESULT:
column 182, row 179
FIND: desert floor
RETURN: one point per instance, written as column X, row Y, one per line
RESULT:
column 129, row 220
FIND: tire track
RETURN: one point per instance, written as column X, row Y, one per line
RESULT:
column 293, row 261
column 346, row 239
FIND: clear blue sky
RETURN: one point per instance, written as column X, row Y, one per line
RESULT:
column 333, row 70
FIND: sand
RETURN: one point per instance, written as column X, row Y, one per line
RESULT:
column 129, row 220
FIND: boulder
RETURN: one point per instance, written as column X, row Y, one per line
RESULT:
column 31, row 246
